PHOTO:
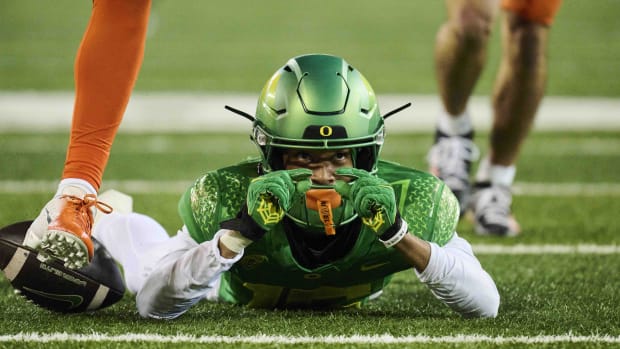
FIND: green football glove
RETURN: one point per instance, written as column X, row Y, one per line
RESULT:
column 375, row 202
column 268, row 198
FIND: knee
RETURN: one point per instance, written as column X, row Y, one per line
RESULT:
column 527, row 41
column 491, row 308
column 473, row 25
column 486, row 307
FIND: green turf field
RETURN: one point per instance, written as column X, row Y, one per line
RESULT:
column 559, row 280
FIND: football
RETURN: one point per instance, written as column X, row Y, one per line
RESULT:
column 52, row 286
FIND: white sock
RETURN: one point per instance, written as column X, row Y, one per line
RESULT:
column 75, row 182
column 495, row 174
column 454, row 125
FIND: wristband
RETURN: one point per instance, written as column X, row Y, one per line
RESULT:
column 245, row 225
column 393, row 236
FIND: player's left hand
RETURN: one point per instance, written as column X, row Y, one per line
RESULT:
column 372, row 197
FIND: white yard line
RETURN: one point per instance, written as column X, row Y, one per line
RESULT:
column 178, row 112
column 566, row 189
column 270, row 339
column 533, row 249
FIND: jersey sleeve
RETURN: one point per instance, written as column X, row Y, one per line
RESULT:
column 427, row 205
column 211, row 199
column 447, row 216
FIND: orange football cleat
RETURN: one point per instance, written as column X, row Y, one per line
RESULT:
column 63, row 228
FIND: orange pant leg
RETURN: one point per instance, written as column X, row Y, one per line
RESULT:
column 106, row 68
column 541, row 11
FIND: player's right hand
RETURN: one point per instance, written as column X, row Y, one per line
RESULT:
column 270, row 196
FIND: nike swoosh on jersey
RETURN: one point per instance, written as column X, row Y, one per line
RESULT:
column 73, row 299
column 367, row 267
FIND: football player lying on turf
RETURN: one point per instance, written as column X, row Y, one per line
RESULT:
column 317, row 222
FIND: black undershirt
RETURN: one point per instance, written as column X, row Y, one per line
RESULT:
column 312, row 250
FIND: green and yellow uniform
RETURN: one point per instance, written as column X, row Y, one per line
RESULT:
column 287, row 269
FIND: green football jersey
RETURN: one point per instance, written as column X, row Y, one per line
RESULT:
column 269, row 275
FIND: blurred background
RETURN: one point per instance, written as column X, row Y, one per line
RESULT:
column 219, row 46
column 202, row 55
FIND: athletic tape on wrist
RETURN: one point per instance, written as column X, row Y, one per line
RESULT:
column 234, row 241
column 400, row 234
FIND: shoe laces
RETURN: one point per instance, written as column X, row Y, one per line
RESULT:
column 450, row 155
column 86, row 206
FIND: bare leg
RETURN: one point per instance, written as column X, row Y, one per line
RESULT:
column 461, row 50
column 519, row 86
column 460, row 56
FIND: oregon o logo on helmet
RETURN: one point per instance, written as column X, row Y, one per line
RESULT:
column 325, row 131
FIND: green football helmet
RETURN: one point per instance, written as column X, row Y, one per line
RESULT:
column 318, row 102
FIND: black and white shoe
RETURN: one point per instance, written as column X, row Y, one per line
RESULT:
column 492, row 213
column 450, row 159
